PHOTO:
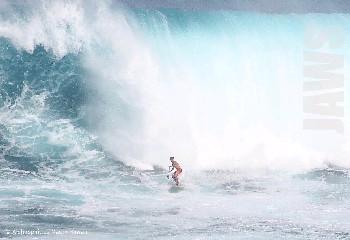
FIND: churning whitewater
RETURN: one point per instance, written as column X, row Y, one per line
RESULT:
column 96, row 96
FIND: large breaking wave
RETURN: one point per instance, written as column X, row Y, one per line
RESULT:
column 82, row 80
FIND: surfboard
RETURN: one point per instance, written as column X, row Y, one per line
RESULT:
column 176, row 189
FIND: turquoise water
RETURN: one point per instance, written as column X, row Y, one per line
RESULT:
column 95, row 98
column 218, row 205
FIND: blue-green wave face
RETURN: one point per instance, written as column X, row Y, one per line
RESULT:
column 221, row 89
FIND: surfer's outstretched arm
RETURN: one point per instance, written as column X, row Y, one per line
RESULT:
column 172, row 168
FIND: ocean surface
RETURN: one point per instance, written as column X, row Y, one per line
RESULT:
column 95, row 97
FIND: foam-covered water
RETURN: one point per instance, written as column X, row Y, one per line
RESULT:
column 95, row 97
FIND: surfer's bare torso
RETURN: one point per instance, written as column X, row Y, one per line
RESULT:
column 176, row 165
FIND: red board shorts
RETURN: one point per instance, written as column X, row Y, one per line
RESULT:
column 177, row 172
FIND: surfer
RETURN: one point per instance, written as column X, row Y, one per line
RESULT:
column 175, row 165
